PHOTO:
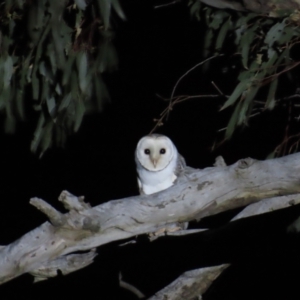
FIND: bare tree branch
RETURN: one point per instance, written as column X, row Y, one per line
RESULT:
column 196, row 194
column 190, row 285
column 268, row 205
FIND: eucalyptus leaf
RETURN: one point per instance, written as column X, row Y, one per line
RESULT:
column 37, row 136
column 243, row 19
column 218, row 18
column 52, row 58
column 35, row 80
column 246, row 41
column 51, row 105
column 67, row 69
column 45, row 90
column 20, row 104
column 42, row 68
column 275, row 33
column 20, row 89
column 7, row 97
column 105, row 9
column 80, row 109
column 81, row 4
column 238, row 33
column 65, row 102
column 232, row 122
column 74, row 86
column 284, row 54
column 287, row 35
column 270, row 104
column 222, row 34
column 58, row 89
column 59, row 43
column 7, row 71
column 46, row 140
column 207, row 42
column 239, row 89
column 245, row 104
column 117, row 7
column 195, row 9
column 208, row 15
column 29, row 74
column 78, row 22
column 270, row 65
column 82, row 66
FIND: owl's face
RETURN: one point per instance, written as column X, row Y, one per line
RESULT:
column 155, row 152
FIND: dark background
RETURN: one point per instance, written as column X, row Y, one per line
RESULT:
column 155, row 48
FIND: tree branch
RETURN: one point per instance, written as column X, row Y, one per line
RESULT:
column 190, row 285
column 196, row 194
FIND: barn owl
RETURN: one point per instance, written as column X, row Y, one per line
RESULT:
column 158, row 163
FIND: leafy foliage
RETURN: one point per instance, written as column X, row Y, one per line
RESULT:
column 52, row 55
column 263, row 45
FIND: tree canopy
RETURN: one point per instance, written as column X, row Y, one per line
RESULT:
column 52, row 56
column 54, row 53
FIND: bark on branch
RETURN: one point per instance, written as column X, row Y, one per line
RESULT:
column 191, row 284
column 196, row 194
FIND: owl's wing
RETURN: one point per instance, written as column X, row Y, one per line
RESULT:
column 140, row 186
column 181, row 165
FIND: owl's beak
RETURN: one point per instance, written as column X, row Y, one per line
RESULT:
column 154, row 161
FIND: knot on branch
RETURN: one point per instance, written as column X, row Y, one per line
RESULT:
column 71, row 202
column 245, row 163
column 220, row 162
column 91, row 224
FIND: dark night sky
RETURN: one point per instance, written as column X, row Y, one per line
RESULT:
column 155, row 48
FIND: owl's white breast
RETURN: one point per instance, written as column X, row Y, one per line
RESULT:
column 153, row 182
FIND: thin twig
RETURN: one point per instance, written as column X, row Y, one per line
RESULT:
column 284, row 142
column 167, row 4
column 217, row 88
column 179, row 99
column 295, row 145
column 190, row 70
column 130, row 287
column 250, row 116
column 286, row 69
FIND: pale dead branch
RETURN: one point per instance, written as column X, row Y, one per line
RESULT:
column 196, row 194
column 190, row 285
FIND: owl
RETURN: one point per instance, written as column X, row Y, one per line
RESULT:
column 158, row 163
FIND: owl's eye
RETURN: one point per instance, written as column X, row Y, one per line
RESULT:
column 147, row 151
column 162, row 151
